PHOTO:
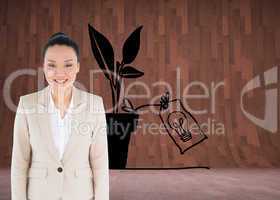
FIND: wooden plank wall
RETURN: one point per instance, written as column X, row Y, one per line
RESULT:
column 210, row 41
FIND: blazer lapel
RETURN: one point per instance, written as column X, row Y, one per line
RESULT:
column 77, row 115
column 44, row 120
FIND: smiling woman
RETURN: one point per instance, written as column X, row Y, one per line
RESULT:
column 61, row 65
column 61, row 151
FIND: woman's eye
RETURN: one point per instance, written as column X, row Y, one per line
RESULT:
column 50, row 65
column 69, row 65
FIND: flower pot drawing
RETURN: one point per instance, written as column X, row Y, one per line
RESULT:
column 120, row 126
column 116, row 72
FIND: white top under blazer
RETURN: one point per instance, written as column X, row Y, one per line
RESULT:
column 61, row 127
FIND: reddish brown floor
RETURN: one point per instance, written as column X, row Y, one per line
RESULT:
column 194, row 184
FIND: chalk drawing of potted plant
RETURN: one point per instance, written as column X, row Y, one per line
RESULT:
column 120, row 125
column 172, row 113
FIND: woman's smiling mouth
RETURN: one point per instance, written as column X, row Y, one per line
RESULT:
column 61, row 81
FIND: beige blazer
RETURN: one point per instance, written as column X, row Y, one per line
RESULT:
column 36, row 171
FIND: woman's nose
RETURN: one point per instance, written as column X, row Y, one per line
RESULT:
column 60, row 70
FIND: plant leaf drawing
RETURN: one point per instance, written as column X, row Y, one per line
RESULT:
column 130, row 72
column 131, row 46
column 127, row 106
column 102, row 51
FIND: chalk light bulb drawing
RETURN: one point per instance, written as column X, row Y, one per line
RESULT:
column 178, row 121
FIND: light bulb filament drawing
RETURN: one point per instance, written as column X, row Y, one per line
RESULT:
column 176, row 121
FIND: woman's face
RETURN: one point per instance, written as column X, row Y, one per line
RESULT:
column 61, row 67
